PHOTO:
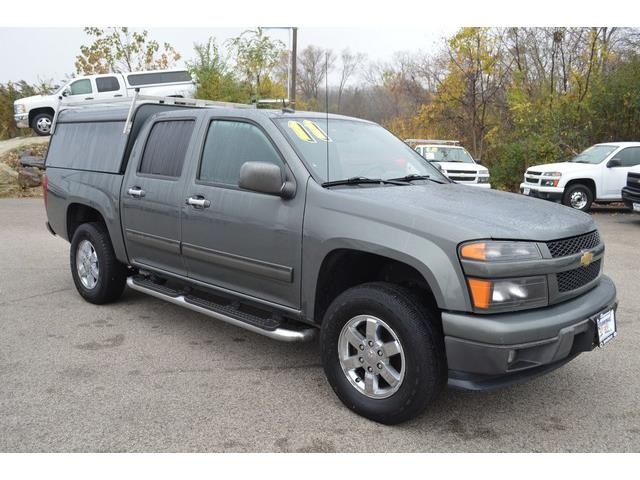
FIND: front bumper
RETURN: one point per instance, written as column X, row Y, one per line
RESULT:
column 492, row 351
column 629, row 197
column 22, row 120
column 546, row 193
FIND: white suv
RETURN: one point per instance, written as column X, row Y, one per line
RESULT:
column 596, row 175
column 453, row 160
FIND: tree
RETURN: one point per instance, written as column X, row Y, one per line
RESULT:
column 215, row 80
column 119, row 49
column 349, row 64
column 256, row 56
column 313, row 64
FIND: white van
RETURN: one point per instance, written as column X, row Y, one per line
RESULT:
column 37, row 112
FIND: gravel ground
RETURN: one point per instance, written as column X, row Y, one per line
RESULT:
column 144, row 375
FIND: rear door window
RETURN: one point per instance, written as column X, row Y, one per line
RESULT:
column 107, row 84
column 166, row 148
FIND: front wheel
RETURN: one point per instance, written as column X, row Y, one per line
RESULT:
column 383, row 352
column 42, row 124
column 578, row 196
column 98, row 275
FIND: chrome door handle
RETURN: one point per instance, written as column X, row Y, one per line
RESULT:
column 88, row 98
column 136, row 192
column 198, row 202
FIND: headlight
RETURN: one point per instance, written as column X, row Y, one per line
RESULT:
column 550, row 179
column 499, row 251
column 508, row 294
column 19, row 108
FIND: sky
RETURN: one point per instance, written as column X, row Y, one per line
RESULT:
column 34, row 54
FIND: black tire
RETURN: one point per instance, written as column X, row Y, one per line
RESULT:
column 112, row 275
column 39, row 124
column 417, row 329
column 581, row 191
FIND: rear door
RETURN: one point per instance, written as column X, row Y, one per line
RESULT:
column 238, row 240
column 152, row 195
column 109, row 87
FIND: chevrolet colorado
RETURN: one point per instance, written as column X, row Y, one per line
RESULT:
column 292, row 223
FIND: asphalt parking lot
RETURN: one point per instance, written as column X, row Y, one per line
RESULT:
column 144, row 375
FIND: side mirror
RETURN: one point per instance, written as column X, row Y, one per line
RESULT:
column 478, row 161
column 614, row 162
column 66, row 92
column 265, row 177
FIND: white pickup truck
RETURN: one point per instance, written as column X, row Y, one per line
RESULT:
column 595, row 175
column 37, row 112
column 453, row 161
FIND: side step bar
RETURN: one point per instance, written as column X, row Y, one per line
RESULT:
column 222, row 312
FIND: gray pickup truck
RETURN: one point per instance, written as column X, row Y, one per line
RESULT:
column 290, row 224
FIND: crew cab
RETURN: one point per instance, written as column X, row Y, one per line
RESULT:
column 454, row 161
column 296, row 225
column 37, row 112
column 595, row 175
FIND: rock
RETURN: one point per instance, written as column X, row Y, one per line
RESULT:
column 8, row 181
column 29, row 177
column 32, row 161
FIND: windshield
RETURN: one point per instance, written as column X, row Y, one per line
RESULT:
column 595, row 154
column 354, row 149
column 446, row 154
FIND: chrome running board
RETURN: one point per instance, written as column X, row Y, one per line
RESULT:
column 272, row 330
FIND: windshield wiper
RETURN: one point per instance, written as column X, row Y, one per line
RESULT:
column 412, row 177
column 361, row 180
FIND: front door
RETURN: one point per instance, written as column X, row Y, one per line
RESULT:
column 243, row 241
column 614, row 178
column 153, row 196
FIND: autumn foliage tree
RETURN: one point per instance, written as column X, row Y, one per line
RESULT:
column 120, row 49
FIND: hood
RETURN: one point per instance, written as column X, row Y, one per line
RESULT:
column 462, row 212
column 561, row 167
column 31, row 99
column 465, row 167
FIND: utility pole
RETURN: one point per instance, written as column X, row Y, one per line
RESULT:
column 294, row 62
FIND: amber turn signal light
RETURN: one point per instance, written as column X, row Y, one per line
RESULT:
column 480, row 292
column 474, row 251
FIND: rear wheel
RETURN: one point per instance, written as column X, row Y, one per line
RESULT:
column 98, row 275
column 578, row 196
column 383, row 352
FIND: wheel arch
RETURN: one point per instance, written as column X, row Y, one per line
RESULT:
column 343, row 268
column 590, row 183
column 39, row 110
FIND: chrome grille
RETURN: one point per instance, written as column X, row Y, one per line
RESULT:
column 578, row 277
column 633, row 181
column 532, row 177
column 573, row 245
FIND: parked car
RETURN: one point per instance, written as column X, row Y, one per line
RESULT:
column 595, row 175
column 37, row 112
column 292, row 223
column 454, row 161
column 631, row 192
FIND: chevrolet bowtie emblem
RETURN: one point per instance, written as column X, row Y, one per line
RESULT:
column 586, row 259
